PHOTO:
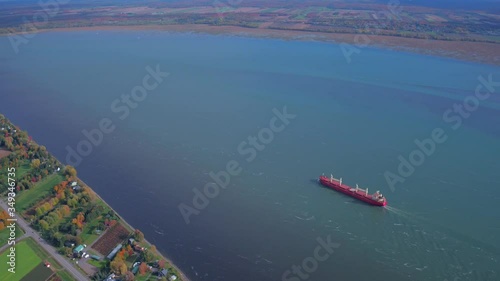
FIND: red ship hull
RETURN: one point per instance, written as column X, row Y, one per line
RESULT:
column 360, row 195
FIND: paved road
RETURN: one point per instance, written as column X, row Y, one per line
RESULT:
column 70, row 267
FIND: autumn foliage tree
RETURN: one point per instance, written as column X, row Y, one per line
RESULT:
column 70, row 172
column 4, row 215
column 47, row 206
column 118, row 266
column 129, row 276
column 129, row 249
column 35, row 163
column 143, row 268
column 64, row 210
column 60, row 188
column 121, row 254
column 78, row 221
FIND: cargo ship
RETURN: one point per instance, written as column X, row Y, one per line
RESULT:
column 376, row 199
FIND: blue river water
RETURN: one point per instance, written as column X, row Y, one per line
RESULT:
column 357, row 120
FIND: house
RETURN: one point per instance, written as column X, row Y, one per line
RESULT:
column 131, row 241
column 163, row 272
column 73, row 183
column 77, row 188
column 69, row 244
column 154, row 264
column 111, row 277
column 114, row 252
column 172, row 278
column 78, row 249
column 135, row 269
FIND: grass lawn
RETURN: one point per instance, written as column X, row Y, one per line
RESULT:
column 4, row 235
column 24, row 168
column 145, row 277
column 26, row 260
column 40, row 191
column 88, row 234
column 65, row 276
column 98, row 264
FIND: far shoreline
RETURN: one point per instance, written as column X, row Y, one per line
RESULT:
column 477, row 52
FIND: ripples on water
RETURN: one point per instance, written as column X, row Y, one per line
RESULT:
column 452, row 258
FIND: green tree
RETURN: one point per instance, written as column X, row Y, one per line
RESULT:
column 57, row 239
column 78, row 240
column 39, row 211
column 44, row 225
column 138, row 235
column 147, row 256
column 67, row 251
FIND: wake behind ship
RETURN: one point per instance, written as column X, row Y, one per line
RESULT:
column 376, row 199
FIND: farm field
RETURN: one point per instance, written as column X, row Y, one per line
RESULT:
column 61, row 272
column 26, row 261
column 39, row 273
column 110, row 239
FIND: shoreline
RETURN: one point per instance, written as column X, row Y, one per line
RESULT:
column 56, row 255
column 476, row 52
column 183, row 276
